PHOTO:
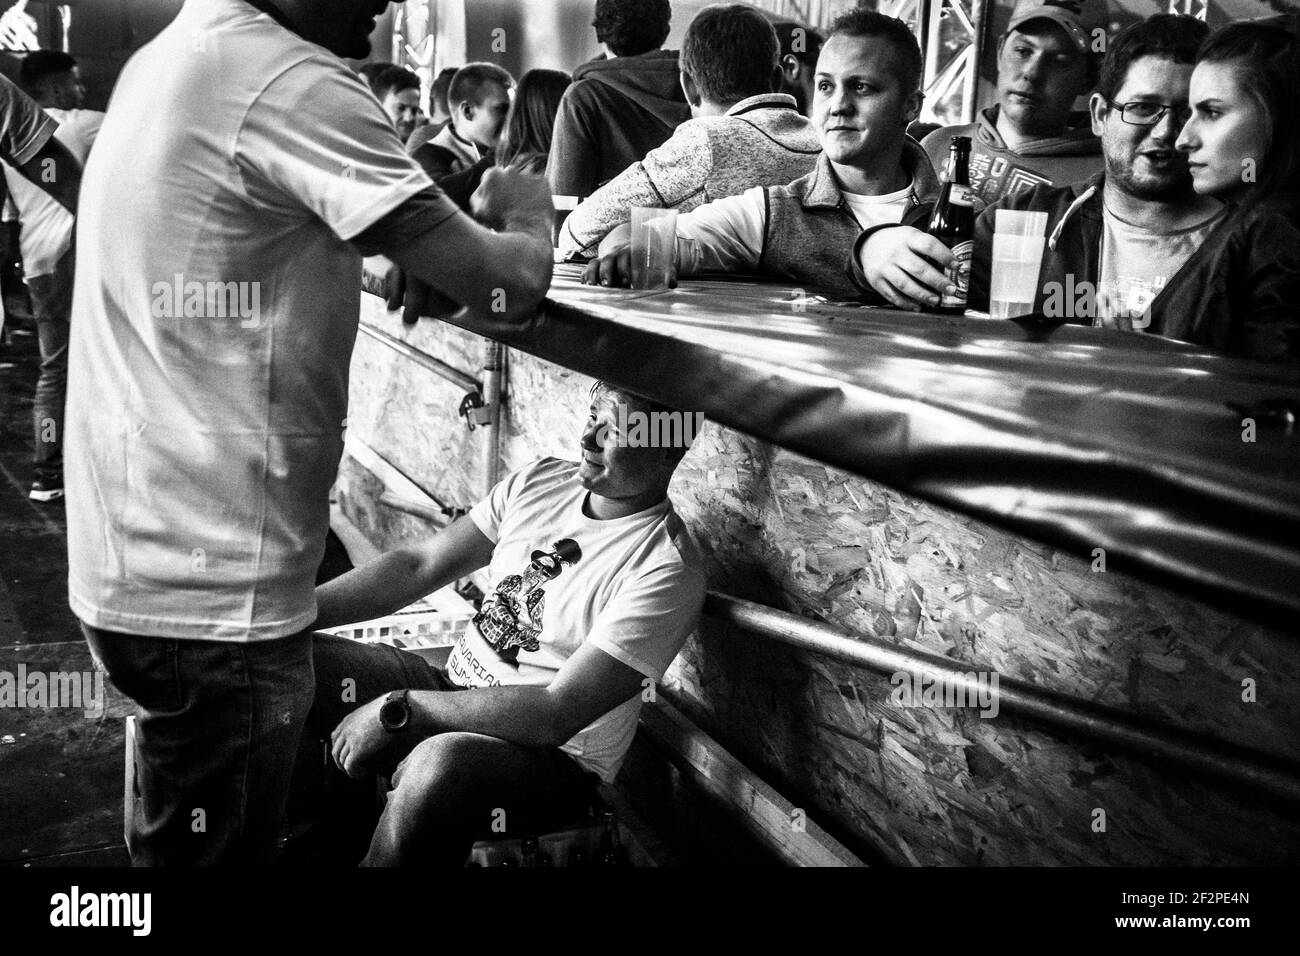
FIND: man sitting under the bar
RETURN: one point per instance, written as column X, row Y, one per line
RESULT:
column 741, row 135
column 867, row 92
column 595, row 585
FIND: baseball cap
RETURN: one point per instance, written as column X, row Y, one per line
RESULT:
column 1078, row 18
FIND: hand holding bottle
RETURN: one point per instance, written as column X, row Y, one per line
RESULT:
column 907, row 267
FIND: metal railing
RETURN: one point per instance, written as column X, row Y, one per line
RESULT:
column 1238, row 765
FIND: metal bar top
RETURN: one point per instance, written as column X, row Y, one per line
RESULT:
column 1083, row 438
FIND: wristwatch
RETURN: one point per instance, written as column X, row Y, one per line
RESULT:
column 395, row 713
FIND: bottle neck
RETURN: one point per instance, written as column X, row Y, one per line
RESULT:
column 959, row 167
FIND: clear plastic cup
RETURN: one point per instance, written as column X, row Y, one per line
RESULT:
column 654, row 247
column 1019, row 238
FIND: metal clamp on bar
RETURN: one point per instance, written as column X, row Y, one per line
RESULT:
column 475, row 411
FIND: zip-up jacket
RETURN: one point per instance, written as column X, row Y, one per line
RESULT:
column 1238, row 293
column 808, row 226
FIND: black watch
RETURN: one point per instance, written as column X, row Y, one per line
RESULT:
column 395, row 713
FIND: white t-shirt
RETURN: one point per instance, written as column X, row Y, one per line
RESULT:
column 728, row 233
column 215, row 310
column 1137, row 262
column 631, row 586
column 46, row 227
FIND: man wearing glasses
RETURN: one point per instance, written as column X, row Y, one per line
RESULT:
column 1114, row 241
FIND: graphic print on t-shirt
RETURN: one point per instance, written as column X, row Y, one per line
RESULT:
column 511, row 618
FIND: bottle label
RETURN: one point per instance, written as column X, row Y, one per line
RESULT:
column 961, row 195
column 959, row 274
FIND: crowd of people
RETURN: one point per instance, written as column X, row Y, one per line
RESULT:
column 797, row 156
column 216, row 303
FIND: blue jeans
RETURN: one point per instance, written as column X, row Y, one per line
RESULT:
column 51, row 297
column 448, row 790
column 217, row 731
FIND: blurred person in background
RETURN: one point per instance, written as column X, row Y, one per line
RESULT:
column 371, row 71
column 621, row 105
column 52, row 79
column 398, row 92
column 479, row 99
column 440, row 114
column 800, row 47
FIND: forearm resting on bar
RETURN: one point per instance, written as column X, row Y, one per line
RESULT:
column 506, row 272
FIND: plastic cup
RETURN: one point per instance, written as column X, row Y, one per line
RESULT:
column 654, row 247
column 1018, row 243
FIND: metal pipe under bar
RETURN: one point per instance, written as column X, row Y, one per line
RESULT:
column 1237, row 765
column 423, row 359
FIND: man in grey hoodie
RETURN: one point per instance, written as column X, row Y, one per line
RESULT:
column 620, row 106
column 1047, row 58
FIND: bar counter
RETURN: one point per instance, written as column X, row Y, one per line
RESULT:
column 1071, row 508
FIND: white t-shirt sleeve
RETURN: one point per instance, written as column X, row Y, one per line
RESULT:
column 24, row 127
column 647, row 623
column 317, row 137
column 728, row 232
column 81, row 132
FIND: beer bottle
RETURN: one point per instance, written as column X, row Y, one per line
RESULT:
column 953, row 223
column 611, row 852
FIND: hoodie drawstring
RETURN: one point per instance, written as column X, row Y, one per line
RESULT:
column 1056, row 233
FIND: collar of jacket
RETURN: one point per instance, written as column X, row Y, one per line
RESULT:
column 1087, row 204
column 824, row 187
column 765, row 101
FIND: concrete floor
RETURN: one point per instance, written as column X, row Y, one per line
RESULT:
column 60, row 771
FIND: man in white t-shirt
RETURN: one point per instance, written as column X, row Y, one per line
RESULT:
column 866, row 92
column 242, row 171
column 52, row 79
column 594, row 587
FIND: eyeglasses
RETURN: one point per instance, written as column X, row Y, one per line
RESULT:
column 1149, row 114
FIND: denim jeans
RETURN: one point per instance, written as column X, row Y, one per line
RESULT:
column 218, row 727
column 448, row 790
column 51, row 297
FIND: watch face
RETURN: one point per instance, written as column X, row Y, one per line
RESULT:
column 394, row 714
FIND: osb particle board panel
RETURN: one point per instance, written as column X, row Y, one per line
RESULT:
column 408, row 415
column 924, row 786
column 945, row 786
